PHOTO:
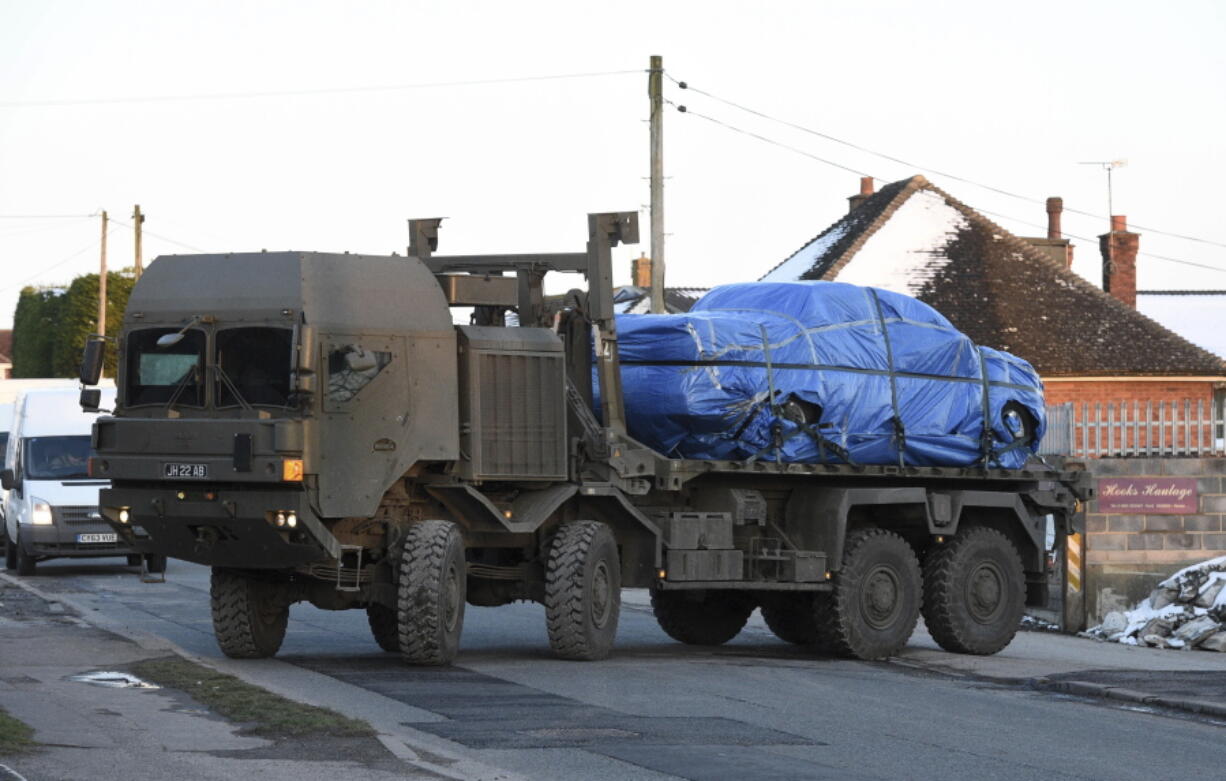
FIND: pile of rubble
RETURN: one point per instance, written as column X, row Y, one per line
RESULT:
column 1187, row 610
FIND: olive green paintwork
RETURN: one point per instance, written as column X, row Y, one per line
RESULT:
column 354, row 449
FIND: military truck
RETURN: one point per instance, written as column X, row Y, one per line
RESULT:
column 314, row 428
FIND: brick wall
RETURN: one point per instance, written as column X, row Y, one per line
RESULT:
column 1127, row 555
column 1057, row 391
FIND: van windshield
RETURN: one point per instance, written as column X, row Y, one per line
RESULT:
column 158, row 374
column 56, row 458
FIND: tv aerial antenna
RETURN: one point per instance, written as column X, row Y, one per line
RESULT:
column 1108, row 166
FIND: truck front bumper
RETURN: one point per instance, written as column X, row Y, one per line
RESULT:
column 219, row 527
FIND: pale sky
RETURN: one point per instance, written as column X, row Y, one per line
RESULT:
column 1009, row 95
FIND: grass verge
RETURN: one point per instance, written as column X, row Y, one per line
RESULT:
column 266, row 713
column 15, row 736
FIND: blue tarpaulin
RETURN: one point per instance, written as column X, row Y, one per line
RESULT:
column 824, row 372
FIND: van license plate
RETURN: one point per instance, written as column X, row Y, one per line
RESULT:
column 186, row 470
column 97, row 537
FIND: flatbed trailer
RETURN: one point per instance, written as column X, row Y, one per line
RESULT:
column 314, row 428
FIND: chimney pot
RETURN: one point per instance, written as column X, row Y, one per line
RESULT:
column 866, row 190
column 1119, row 223
column 1055, row 207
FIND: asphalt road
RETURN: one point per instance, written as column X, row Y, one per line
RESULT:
column 755, row 708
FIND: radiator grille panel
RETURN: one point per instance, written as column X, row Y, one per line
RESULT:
column 522, row 431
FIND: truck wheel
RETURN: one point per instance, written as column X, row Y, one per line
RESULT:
column 10, row 554
column 430, row 601
column 583, row 584
column 22, row 560
column 701, row 617
column 793, row 617
column 249, row 615
column 974, row 592
column 875, row 603
column 382, row 620
column 155, row 563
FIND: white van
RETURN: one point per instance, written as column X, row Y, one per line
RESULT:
column 51, row 509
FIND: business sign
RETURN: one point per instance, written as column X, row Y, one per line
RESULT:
column 1148, row 495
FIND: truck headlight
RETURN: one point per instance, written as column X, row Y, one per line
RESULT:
column 41, row 515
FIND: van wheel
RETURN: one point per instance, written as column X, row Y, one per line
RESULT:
column 974, row 592
column 430, row 600
column 249, row 615
column 382, row 620
column 155, row 563
column 583, row 586
column 875, row 604
column 10, row 554
column 22, row 560
column 701, row 617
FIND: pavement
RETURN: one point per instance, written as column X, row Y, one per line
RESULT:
column 86, row 730
column 572, row 721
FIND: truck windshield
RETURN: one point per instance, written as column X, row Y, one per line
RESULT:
column 56, row 458
column 157, row 374
column 256, row 361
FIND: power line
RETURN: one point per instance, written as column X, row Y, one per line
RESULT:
column 891, row 158
column 772, row 142
column 53, row 266
column 45, row 216
column 148, row 232
column 308, row 92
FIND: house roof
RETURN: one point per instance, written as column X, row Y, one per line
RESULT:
column 1196, row 315
column 637, row 300
column 914, row 238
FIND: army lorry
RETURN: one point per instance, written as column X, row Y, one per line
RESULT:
column 314, row 428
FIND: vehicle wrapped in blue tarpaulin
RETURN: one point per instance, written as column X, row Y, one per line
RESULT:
column 824, row 372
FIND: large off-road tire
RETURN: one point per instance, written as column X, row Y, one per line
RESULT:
column 583, row 586
column 701, row 617
column 10, row 554
column 249, row 615
column 875, row 604
column 382, row 620
column 430, row 600
column 974, row 591
column 793, row 617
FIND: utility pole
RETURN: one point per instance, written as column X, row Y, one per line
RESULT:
column 137, row 219
column 655, row 91
column 102, row 282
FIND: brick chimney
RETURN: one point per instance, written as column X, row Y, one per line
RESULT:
column 866, row 189
column 1119, row 251
column 640, row 271
column 1054, row 245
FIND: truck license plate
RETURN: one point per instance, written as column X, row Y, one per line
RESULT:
column 186, row 470
column 97, row 537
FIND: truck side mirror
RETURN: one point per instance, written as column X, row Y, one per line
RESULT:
column 91, row 399
column 7, row 481
column 92, row 358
